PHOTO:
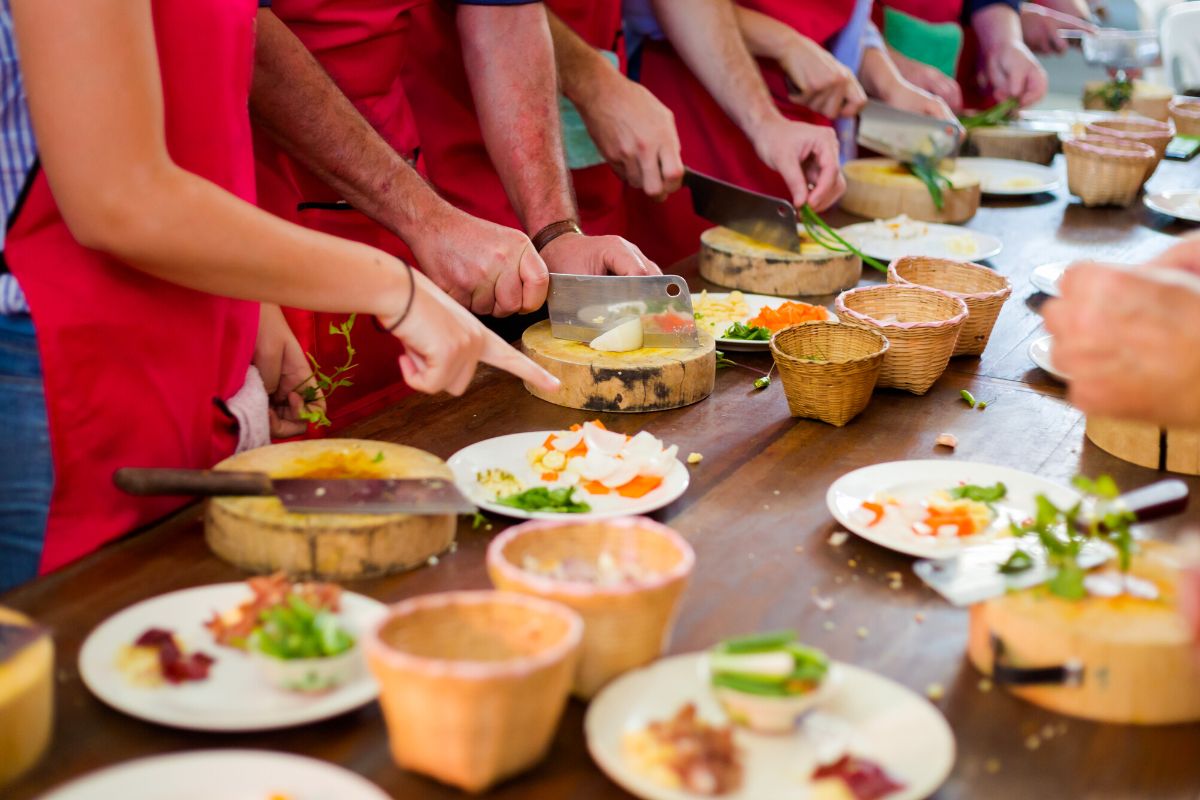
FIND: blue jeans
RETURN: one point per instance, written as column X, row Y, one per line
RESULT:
column 26, row 465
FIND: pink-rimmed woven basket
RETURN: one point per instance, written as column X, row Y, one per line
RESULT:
column 1137, row 129
column 1107, row 172
column 1185, row 113
column 921, row 325
column 983, row 290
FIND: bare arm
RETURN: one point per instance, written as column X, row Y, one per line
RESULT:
column 95, row 93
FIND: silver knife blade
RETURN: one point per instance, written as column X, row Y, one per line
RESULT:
column 424, row 496
column 905, row 136
column 584, row 306
column 770, row 220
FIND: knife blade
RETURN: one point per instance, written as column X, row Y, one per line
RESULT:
column 584, row 306
column 974, row 576
column 766, row 219
column 905, row 136
column 420, row 496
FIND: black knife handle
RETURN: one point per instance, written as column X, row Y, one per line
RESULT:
column 191, row 482
column 1158, row 500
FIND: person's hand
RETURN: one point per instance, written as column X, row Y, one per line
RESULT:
column 576, row 254
column 635, row 133
column 806, row 156
column 1129, row 344
column 488, row 268
column 444, row 343
column 1040, row 27
column 285, row 370
column 908, row 97
column 1012, row 71
column 929, row 79
column 826, row 85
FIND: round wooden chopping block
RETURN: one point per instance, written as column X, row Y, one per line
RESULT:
column 258, row 534
column 881, row 188
column 649, row 379
column 729, row 259
column 1039, row 147
column 1147, row 445
column 1134, row 656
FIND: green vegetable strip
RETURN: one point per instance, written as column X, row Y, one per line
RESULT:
column 541, row 498
column 980, row 494
column 757, row 643
column 992, row 116
column 830, row 239
column 934, row 180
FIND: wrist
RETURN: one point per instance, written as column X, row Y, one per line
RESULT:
column 590, row 80
column 554, row 231
column 397, row 301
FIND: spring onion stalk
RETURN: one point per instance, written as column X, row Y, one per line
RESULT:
column 820, row 232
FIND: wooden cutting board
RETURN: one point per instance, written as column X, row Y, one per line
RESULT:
column 881, row 188
column 728, row 258
column 649, row 379
column 259, row 535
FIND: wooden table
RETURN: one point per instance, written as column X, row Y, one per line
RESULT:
column 756, row 515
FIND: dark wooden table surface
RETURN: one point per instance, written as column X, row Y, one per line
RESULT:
column 756, row 515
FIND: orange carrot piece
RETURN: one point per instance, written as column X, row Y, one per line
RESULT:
column 550, row 476
column 596, row 487
column 639, row 486
column 876, row 509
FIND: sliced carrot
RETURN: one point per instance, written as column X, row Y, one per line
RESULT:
column 549, row 443
column 599, row 424
column 550, row 476
column 576, row 427
column 876, row 509
column 595, row 487
column 578, row 450
column 639, row 486
column 789, row 313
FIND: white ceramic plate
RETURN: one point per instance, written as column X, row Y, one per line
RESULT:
column 876, row 718
column 1009, row 177
column 1181, row 204
column 508, row 453
column 224, row 774
column 913, row 481
column 757, row 303
column 1039, row 354
column 1046, row 277
column 941, row 241
column 235, row 696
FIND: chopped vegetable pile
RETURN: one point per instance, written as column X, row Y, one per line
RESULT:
column 541, row 498
column 789, row 313
column 768, row 664
column 295, row 629
column 749, row 333
column 601, row 461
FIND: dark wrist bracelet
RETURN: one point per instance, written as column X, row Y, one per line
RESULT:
column 412, row 293
column 552, row 231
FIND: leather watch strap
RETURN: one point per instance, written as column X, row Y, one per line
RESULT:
column 552, row 231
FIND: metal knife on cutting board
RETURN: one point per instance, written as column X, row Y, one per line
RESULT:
column 584, row 306
column 974, row 575
column 905, row 136
column 422, row 496
column 766, row 219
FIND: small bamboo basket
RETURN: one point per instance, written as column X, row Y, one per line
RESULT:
column 1186, row 116
column 1137, row 129
column 983, row 290
column 1107, row 172
column 828, row 369
column 473, row 684
column 626, row 625
column 1019, row 144
column 922, row 326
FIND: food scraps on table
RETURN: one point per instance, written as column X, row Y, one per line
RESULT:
column 687, row 753
column 158, row 657
column 605, row 570
column 766, row 682
column 601, row 461
column 854, row 778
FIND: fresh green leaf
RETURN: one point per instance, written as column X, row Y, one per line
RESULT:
column 1067, row 583
column 1016, row 563
column 542, row 498
column 378, row 458
column 991, row 117
column 747, row 333
column 980, row 494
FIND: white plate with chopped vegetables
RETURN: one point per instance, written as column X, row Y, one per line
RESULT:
column 225, row 774
column 587, row 472
column 936, row 509
column 232, row 693
column 889, row 239
column 869, row 724
column 745, row 322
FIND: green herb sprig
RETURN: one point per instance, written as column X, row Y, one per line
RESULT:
column 926, row 170
column 759, row 383
column 1114, row 94
column 542, row 498
column 980, row 494
column 749, row 333
column 820, row 232
column 321, row 384
column 990, row 117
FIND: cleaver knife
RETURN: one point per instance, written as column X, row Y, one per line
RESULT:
column 584, row 306
column 766, row 219
column 974, row 576
column 905, row 136
column 422, row 496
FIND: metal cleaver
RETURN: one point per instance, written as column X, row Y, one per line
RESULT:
column 905, row 136
column 584, row 306
column 766, row 219
column 424, row 496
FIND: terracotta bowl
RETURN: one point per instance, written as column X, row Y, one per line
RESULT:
column 627, row 624
column 473, row 684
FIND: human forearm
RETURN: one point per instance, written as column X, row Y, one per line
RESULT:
column 766, row 37
column 509, row 58
column 996, row 25
column 582, row 70
column 295, row 101
column 878, row 73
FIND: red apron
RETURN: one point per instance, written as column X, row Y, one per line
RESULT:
column 939, row 11
column 712, row 142
column 452, row 144
column 360, row 43
column 134, row 366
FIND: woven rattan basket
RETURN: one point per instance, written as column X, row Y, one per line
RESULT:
column 828, row 369
column 1186, row 116
column 1106, row 172
column 922, row 325
column 1137, row 129
column 473, row 684
column 626, row 625
column 983, row 290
